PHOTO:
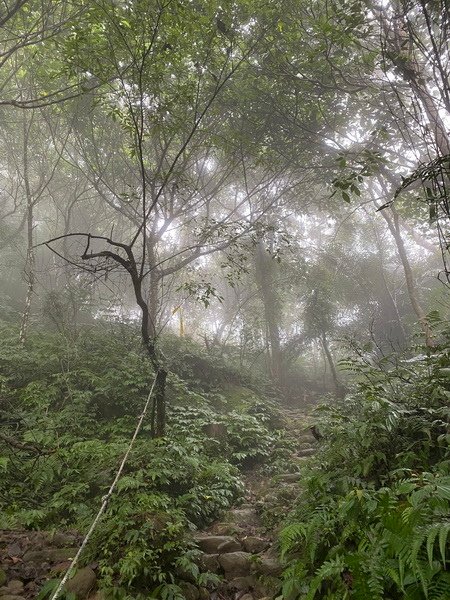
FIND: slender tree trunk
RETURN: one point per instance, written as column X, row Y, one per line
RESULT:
column 154, row 278
column 390, row 215
column 158, row 413
column 402, row 333
column 338, row 386
column 30, row 260
column 264, row 269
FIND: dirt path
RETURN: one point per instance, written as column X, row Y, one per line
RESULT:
column 242, row 546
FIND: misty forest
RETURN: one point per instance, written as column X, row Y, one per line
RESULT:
column 224, row 299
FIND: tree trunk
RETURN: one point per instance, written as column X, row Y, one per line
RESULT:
column 338, row 386
column 30, row 260
column 158, row 413
column 400, row 42
column 390, row 215
column 402, row 336
column 264, row 270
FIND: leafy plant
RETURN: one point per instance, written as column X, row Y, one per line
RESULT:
column 373, row 520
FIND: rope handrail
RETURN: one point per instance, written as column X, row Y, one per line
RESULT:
column 105, row 498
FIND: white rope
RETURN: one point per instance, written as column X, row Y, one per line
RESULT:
column 105, row 498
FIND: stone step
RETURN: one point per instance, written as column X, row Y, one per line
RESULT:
column 254, row 544
column 289, row 477
column 217, row 544
column 236, row 564
column 243, row 517
column 302, row 452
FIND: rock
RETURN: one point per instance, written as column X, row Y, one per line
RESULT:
column 230, row 546
column 214, row 544
column 290, row 477
column 244, row 516
column 99, row 595
column 15, row 586
column 31, row 589
column 14, row 549
column 306, row 452
column 304, row 445
column 81, row 583
column 209, row 562
column 203, row 594
column 269, row 566
column 3, row 577
column 52, row 555
column 190, row 592
column 12, row 597
column 242, row 584
column 247, row 597
column 63, row 540
column 255, row 544
column 235, row 564
column 60, row 568
column 226, row 529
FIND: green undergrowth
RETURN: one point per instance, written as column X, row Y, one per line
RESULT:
column 372, row 520
column 68, row 409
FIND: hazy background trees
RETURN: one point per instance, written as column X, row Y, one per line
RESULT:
column 218, row 171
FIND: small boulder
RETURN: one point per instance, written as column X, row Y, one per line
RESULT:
column 254, row 544
column 63, row 540
column 235, row 564
column 247, row 597
column 269, row 566
column 242, row 584
column 52, row 555
column 15, row 586
column 81, row 583
column 213, row 544
column 190, row 592
column 203, row 594
column 306, row 452
column 244, row 517
column 209, row 562
column 226, row 529
column 99, row 595
column 290, row 477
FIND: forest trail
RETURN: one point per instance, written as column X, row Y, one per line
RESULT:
column 240, row 548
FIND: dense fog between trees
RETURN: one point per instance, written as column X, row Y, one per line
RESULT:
column 260, row 184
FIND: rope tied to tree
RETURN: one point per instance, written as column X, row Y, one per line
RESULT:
column 106, row 497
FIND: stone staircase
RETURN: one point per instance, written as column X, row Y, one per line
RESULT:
column 242, row 548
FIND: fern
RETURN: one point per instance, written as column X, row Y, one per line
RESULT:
column 373, row 518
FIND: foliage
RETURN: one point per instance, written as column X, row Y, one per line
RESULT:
column 373, row 520
column 70, row 410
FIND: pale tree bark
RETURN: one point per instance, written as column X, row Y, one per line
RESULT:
column 391, row 217
column 402, row 333
column 266, row 282
column 338, row 385
column 30, row 265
